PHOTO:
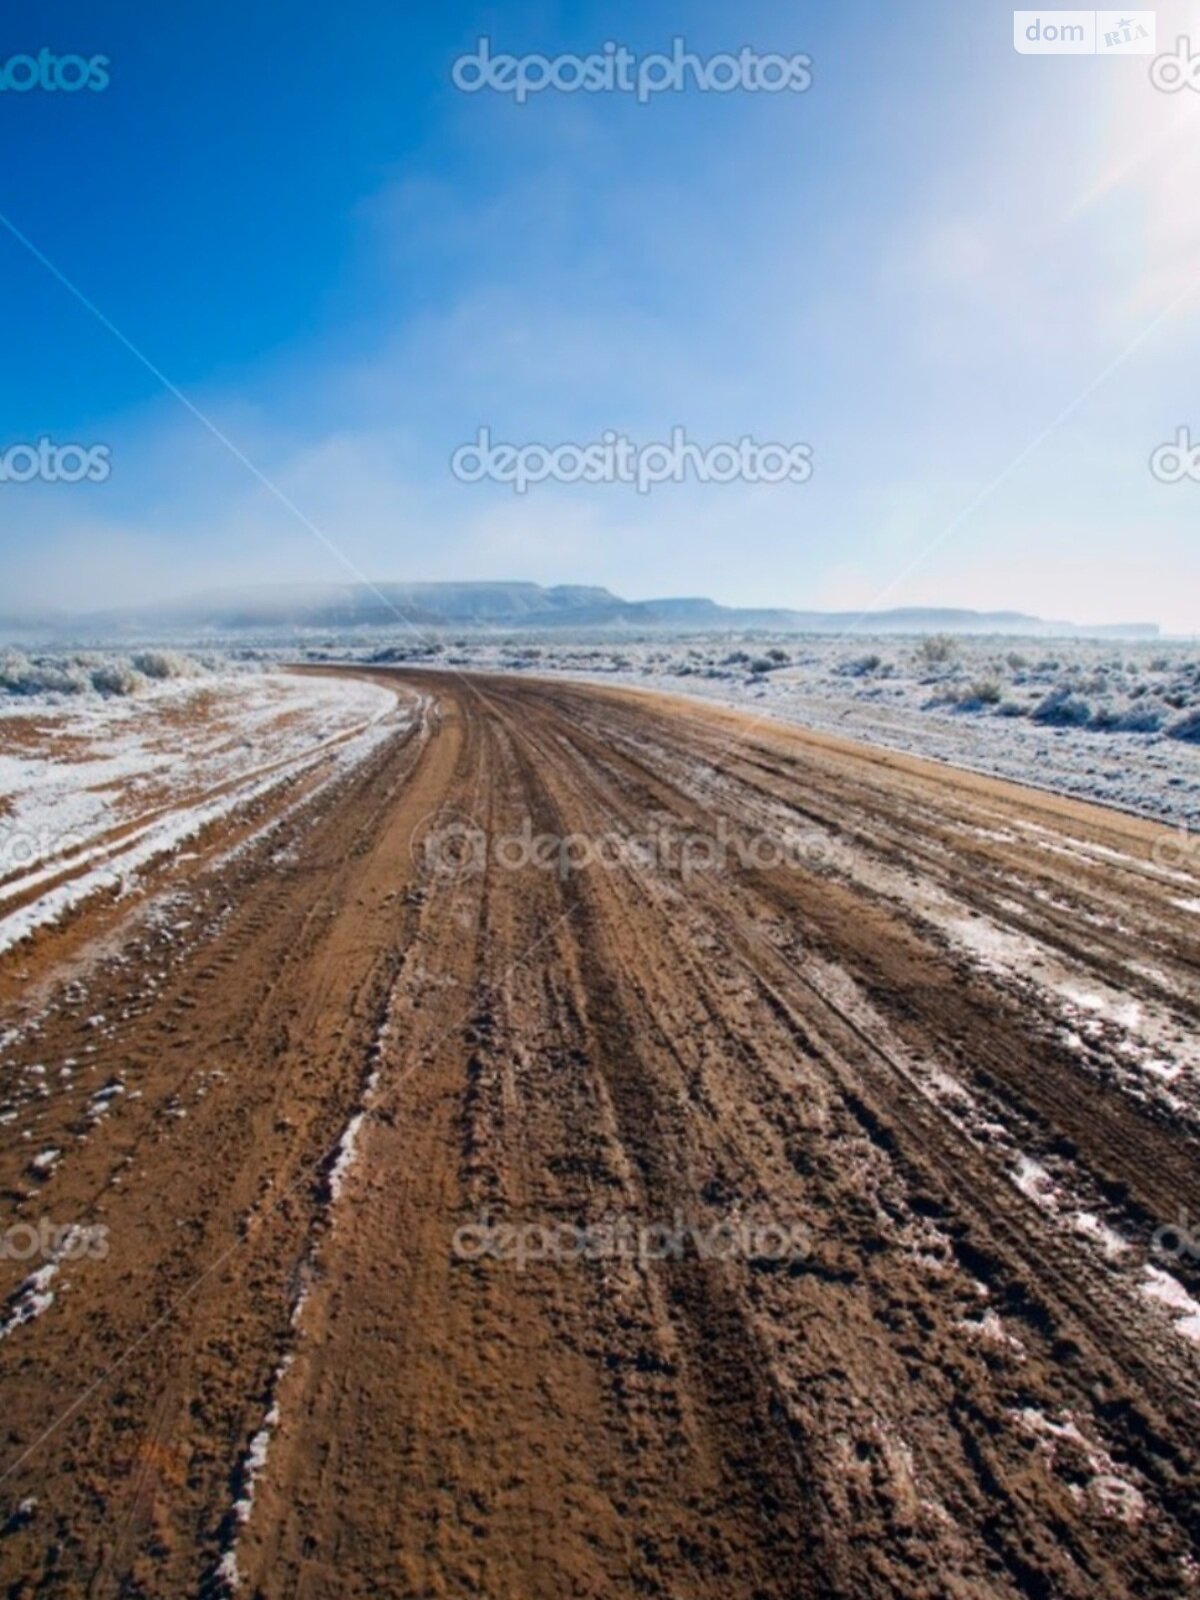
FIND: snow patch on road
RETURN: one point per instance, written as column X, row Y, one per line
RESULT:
column 32, row 1298
column 1035, row 1183
column 249, row 1471
column 228, row 1574
column 1168, row 1291
column 1105, row 1490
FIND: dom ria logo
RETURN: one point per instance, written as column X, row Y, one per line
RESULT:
column 1130, row 36
column 1084, row 33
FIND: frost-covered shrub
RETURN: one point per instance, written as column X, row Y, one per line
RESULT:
column 859, row 667
column 117, row 678
column 1095, row 683
column 40, row 675
column 164, row 664
column 52, row 677
column 1062, row 709
column 1140, row 719
column 975, row 697
column 1131, row 718
column 986, row 691
column 1186, row 728
column 1010, row 708
column 936, row 649
column 15, row 671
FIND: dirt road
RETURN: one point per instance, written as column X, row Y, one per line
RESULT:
column 596, row 1149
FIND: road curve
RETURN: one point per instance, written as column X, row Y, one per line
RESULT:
column 367, row 1109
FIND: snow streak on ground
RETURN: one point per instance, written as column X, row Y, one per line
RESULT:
column 94, row 789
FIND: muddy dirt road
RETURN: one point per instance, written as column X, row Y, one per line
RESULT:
column 594, row 1148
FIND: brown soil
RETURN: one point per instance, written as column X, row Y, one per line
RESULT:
column 947, row 1393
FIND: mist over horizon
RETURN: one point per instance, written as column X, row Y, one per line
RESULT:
column 517, row 604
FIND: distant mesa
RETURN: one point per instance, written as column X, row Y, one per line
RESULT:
column 302, row 608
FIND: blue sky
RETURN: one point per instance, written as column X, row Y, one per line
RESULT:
column 942, row 254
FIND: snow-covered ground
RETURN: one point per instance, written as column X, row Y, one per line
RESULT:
column 1117, row 722
column 98, row 780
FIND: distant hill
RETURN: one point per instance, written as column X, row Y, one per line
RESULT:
column 300, row 607
column 697, row 613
